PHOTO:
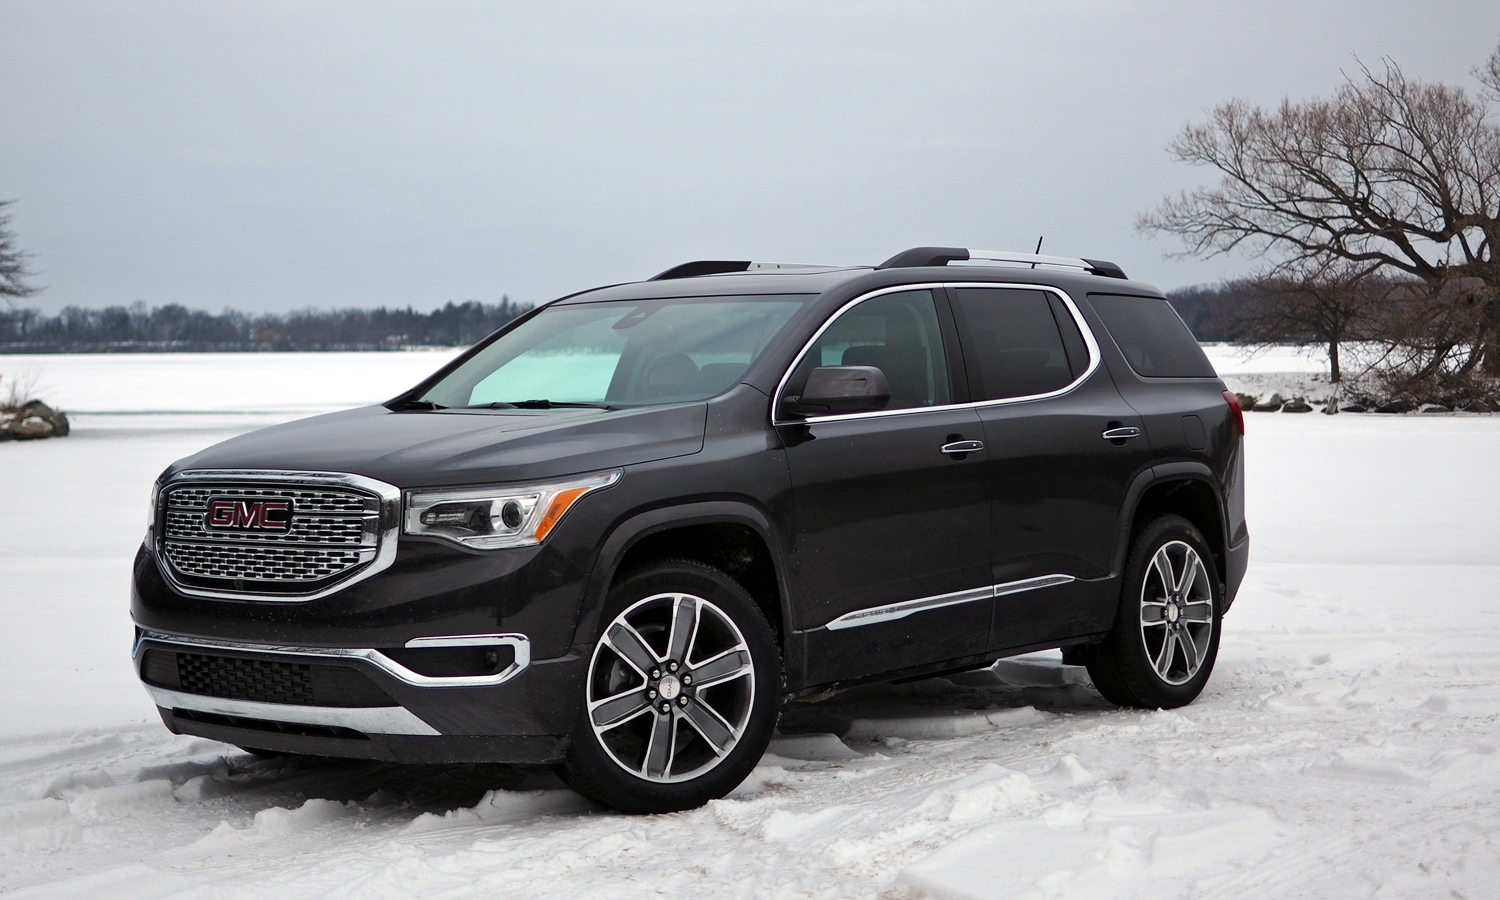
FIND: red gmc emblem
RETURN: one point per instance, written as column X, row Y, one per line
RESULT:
column 249, row 515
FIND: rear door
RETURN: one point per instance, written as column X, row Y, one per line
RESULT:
column 1055, row 481
column 891, row 533
column 1167, row 378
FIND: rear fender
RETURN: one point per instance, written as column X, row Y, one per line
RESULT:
column 1167, row 473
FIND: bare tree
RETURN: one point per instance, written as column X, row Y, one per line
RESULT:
column 1390, row 177
column 1329, row 307
column 13, row 268
column 1489, row 74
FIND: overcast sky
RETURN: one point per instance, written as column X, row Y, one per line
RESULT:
column 276, row 155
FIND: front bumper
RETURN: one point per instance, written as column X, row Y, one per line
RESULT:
column 361, row 702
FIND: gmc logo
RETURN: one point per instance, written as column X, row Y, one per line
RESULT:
column 249, row 515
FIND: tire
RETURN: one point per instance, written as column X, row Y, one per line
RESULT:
column 1162, row 648
column 626, row 751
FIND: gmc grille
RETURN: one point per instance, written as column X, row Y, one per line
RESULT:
column 334, row 532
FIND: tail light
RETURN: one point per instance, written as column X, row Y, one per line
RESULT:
column 1239, row 411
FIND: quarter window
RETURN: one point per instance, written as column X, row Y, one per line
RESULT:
column 1152, row 337
column 898, row 334
column 1012, row 344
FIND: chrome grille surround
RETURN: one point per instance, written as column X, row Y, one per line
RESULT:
column 343, row 530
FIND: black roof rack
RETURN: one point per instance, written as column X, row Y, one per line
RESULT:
column 916, row 256
column 925, row 256
column 726, row 266
column 703, row 267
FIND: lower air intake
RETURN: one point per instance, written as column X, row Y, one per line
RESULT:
column 286, row 682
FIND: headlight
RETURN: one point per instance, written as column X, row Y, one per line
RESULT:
column 513, row 515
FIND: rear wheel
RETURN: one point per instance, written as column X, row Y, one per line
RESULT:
column 1161, row 651
column 682, row 691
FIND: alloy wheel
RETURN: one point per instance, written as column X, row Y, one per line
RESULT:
column 1177, row 612
column 671, row 687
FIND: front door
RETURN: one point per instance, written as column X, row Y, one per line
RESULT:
column 891, row 532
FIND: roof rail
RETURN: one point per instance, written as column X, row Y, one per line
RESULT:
column 941, row 256
column 723, row 266
column 703, row 267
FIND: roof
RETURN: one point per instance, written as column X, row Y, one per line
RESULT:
column 708, row 278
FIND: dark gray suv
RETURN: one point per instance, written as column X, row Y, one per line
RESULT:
column 620, row 532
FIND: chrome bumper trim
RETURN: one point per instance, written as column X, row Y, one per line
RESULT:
column 366, row 720
column 892, row 611
column 519, row 643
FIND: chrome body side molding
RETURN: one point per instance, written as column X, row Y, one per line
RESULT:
column 892, row 611
column 366, row 720
column 519, row 643
column 1031, row 584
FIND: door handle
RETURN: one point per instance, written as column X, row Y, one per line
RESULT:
column 961, row 448
column 1122, row 434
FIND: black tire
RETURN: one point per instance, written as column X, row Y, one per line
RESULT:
column 1127, row 666
column 596, row 765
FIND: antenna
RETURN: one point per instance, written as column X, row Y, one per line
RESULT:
column 1038, row 250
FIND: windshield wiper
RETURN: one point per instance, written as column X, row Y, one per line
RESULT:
column 542, row 404
column 415, row 404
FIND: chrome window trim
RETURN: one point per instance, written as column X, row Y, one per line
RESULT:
column 893, row 611
column 1089, row 342
column 366, row 720
column 388, row 530
column 519, row 643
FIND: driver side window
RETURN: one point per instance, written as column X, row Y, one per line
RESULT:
column 898, row 334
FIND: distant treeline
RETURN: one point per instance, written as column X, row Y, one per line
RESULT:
column 1216, row 312
column 128, row 329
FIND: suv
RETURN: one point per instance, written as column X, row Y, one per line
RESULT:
column 621, row 531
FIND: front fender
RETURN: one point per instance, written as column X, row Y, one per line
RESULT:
column 631, row 531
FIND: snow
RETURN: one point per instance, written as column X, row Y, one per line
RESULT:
column 230, row 391
column 1233, row 360
column 1290, row 371
column 1348, row 744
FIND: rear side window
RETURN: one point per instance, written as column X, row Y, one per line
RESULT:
column 1012, row 344
column 1152, row 336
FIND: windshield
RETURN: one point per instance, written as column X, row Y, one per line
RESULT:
column 622, row 353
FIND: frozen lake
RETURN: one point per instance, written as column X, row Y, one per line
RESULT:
column 215, row 390
column 299, row 384
column 1347, row 746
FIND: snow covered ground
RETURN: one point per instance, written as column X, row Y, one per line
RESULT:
column 1277, row 369
column 1347, row 746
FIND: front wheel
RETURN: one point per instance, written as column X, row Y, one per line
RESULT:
column 682, row 692
column 1166, row 634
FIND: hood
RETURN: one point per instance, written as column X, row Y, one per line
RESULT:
column 451, row 447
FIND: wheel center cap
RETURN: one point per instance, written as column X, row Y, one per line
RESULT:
column 669, row 687
column 1172, row 612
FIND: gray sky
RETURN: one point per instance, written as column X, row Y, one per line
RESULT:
column 279, row 155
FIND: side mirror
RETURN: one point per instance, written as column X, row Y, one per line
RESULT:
column 836, row 389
